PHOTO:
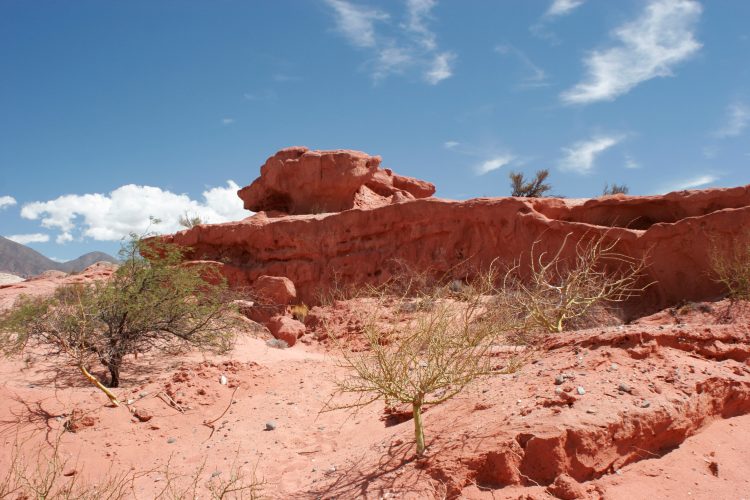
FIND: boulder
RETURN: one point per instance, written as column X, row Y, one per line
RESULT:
column 566, row 488
column 298, row 180
column 286, row 329
column 274, row 290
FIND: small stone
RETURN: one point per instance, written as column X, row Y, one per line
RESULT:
column 613, row 366
column 580, row 390
column 560, row 379
column 591, row 411
column 558, row 390
column 142, row 415
column 223, row 380
column 270, row 425
column 624, row 387
column 171, row 440
column 645, row 404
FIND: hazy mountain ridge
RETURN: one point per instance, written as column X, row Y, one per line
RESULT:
column 24, row 261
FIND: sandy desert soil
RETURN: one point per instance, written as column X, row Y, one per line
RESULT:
column 657, row 408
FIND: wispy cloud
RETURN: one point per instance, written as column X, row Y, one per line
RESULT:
column 227, row 121
column 631, row 163
column 7, row 201
column 737, row 119
column 112, row 216
column 563, row 7
column 648, row 47
column 397, row 48
column 581, row 156
column 691, row 183
column 441, row 68
column 357, row 23
column 451, row 144
column 494, row 163
column 536, row 76
column 418, row 13
column 25, row 239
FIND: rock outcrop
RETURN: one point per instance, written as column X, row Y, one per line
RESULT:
column 300, row 181
column 677, row 233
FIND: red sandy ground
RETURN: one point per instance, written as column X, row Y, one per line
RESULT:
column 681, row 431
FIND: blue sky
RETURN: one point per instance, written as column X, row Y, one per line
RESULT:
column 114, row 111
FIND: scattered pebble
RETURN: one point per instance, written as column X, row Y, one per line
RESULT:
column 624, row 387
column 270, row 425
column 560, row 379
column 223, row 380
column 171, row 440
column 645, row 404
column 580, row 390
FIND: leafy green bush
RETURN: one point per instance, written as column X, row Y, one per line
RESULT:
column 148, row 303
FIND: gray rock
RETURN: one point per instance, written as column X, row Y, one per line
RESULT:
column 560, row 379
column 580, row 390
column 624, row 387
column 171, row 440
column 270, row 425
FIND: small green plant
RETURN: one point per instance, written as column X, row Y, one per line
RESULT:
column 299, row 312
column 731, row 267
column 535, row 188
column 148, row 303
column 615, row 189
column 420, row 357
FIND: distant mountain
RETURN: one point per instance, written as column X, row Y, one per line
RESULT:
column 23, row 261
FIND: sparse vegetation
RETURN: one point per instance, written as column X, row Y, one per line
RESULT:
column 299, row 312
column 535, row 188
column 615, row 189
column 731, row 267
column 560, row 290
column 154, row 303
column 49, row 475
column 189, row 220
column 420, row 357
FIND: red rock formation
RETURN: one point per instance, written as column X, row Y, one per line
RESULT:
column 300, row 181
column 676, row 233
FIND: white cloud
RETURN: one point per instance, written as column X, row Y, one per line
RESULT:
column 451, row 144
column 7, row 201
column 581, row 156
column 25, row 239
column 127, row 209
column 227, row 121
column 494, row 163
column 691, row 183
column 418, row 11
column 631, row 163
column 563, row 7
column 738, row 117
column 397, row 49
column 441, row 68
column 649, row 47
column 357, row 23
column 536, row 76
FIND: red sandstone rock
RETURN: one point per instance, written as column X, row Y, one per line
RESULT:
column 286, row 329
column 276, row 290
column 361, row 246
column 566, row 488
column 297, row 180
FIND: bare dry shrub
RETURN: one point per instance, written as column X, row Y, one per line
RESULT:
column 421, row 355
column 559, row 291
column 731, row 268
